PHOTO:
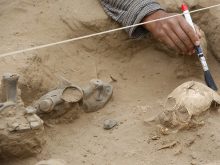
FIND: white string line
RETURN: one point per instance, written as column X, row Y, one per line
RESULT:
column 100, row 33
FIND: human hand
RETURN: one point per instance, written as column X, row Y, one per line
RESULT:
column 174, row 32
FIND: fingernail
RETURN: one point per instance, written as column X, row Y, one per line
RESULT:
column 197, row 43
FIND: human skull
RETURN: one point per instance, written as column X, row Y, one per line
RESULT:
column 187, row 105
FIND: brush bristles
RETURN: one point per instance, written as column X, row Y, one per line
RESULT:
column 209, row 81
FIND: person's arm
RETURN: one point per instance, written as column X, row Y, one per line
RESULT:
column 176, row 33
column 129, row 12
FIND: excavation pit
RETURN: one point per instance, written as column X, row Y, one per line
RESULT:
column 142, row 77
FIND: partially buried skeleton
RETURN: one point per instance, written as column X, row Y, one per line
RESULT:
column 22, row 129
column 187, row 107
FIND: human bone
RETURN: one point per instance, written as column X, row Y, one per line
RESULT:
column 187, row 106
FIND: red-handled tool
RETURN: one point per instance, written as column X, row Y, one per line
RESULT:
column 208, row 77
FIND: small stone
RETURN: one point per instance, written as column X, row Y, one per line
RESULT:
column 35, row 125
column 193, row 156
column 12, row 126
column 155, row 137
column 164, row 131
column 23, row 127
column 32, row 118
column 18, row 124
column 34, row 121
column 11, row 113
column 190, row 142
column 52, row 162
column 109, row 124
column 178, row 151
column 193, row 162
column 31, row 110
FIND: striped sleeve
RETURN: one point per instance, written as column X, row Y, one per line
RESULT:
column 129, row 12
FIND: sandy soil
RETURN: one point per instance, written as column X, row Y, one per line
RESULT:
column 145, row 76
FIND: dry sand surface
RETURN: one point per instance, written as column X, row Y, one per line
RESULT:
column 144, row 74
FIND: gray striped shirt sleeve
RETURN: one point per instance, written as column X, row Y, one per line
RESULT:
column 129, row 12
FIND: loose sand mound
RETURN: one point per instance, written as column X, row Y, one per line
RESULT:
column 145, row 76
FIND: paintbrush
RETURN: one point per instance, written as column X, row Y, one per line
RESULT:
column 208, row 77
